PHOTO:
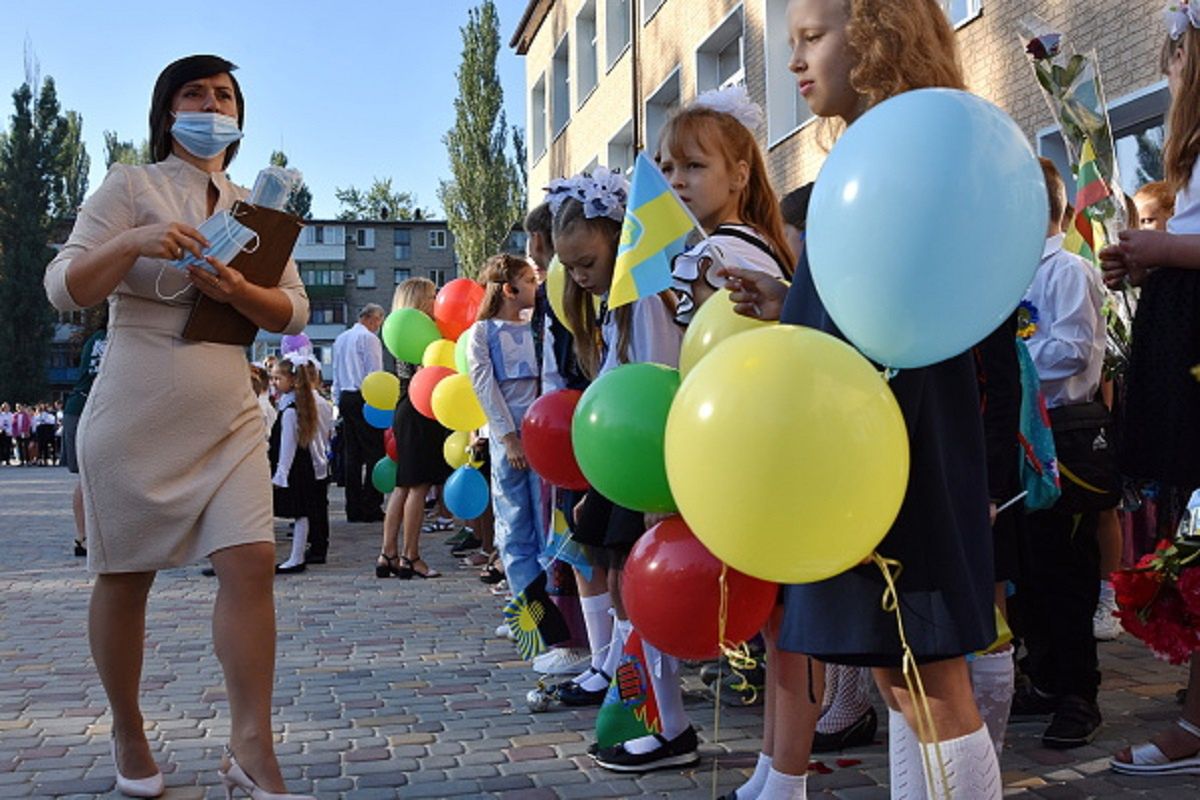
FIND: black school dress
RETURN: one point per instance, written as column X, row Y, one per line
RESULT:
column 1159, row 436
column 942, row 535
column 299, row 498
column 419, row 440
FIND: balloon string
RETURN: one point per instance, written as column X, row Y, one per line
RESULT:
column 739, row 659
column 889, row 373
column 926, row 729
column 722, row 610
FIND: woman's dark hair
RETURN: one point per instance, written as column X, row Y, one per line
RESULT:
column 794, row 206
column 171, row 80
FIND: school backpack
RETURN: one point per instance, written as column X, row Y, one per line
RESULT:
column 1039, row 461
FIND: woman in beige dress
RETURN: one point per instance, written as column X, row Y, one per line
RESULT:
column 174, row 462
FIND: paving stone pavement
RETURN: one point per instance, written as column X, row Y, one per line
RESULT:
column 389, row 688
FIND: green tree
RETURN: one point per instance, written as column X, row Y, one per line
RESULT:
column 30, row 175
column 299, row 202
column 124, row 152
column 378, row 202
column 485, row 196
column 74, row 163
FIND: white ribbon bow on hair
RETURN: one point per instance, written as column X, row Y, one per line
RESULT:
column 603, row 193
column 1179, row 15
column 298, row 358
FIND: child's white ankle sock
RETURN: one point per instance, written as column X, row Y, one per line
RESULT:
column 781, row 786
column 750, row 789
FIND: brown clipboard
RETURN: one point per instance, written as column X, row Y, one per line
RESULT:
column 211, row 321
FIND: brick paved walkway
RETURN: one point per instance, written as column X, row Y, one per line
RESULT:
column 389, row 688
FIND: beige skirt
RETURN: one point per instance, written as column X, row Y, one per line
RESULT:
column 172, row 452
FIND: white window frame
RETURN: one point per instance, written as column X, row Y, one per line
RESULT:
column 786, row 110
column 622, row 142
column 437, row 239
column 618, row 29
column 364, row 238
column 396, row 279
column 396, row 247
column 657, row 109
column 729, row 30
column 440, row 276
column 587, row 53
column 972, row 9
column 365, row 279
column 539, row 120
column 560, row 87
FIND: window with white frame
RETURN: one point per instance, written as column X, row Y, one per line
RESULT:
column 587, row 54
column 364, row 238
column 786, row 109
column 659, row 105
column 438, row 276
column 962, row 11
column 719, row 56
column 537, row 118
column 365, row 278
column 437, row 240
column 560, row 94
column 620, row 149
column 400, row 275
column 650, row 8
column 616, row 29
column 402, row 241
column 326, row 312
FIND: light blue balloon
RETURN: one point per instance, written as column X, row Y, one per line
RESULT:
column 926, row 225
column 377, row 417
column 466, row 493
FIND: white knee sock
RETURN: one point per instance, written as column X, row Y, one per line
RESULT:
column 599, row 624
column 668, row 695
column 992, row 678
column 751, row 788
column 612, row 658
column 905, row 769
column 972, row 769
column 781, row 786
column 299, row 540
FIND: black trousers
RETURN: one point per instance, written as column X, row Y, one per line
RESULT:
column 318, row 520
column 1057, row 592
column 362, row 446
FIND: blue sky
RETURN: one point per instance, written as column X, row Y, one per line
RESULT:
column 349, row 90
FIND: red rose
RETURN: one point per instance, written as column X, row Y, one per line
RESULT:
column 1136, row 588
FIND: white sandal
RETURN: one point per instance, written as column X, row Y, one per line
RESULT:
column 1148, row 759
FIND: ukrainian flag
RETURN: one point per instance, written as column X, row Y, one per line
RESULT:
column 654, row 231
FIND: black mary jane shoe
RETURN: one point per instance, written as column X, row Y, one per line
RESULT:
column 861, row 732
column 295, row 569
column 570, row 693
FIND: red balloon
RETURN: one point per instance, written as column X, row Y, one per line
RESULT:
column 546, row 437
column 671, row 589
column 457, row 306
column 420, row 388
column 389, row 444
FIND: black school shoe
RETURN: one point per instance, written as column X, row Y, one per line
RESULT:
column 314, row 557
column 1029, row 702
column 1074, row 723
column 862, row 732
column 678, row 752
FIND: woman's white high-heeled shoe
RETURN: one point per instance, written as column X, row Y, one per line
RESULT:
column 136, row 787
column 234, row 777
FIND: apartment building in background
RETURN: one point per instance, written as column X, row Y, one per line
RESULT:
column 602, row 76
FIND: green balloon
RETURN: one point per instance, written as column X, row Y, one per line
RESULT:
column 460, row 352
column 407, row 332
column 618, row 432
column 383, row 475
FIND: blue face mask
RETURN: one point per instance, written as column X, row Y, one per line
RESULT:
column 226, row 238
column 205, row 134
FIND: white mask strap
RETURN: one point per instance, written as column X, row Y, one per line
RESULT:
column 158, row 290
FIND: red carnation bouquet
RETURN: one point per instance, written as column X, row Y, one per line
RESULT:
column 1158, row 600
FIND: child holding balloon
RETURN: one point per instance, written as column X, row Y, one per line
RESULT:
column 708, row 154
column 292, row 473
column 504, row 374
column 848, row 56
column 586, row 236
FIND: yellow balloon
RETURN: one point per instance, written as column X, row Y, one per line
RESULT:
column 439, row 354
column 456, row 449
column 556, row 281
column 715, row 322
column 381, row 389
column 806, row 434
column 455, row 404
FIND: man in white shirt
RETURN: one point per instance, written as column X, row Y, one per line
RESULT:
column 357, row 352
column 1057, row 589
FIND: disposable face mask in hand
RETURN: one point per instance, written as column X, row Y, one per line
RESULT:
column 226, row 238
column 204, row 134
